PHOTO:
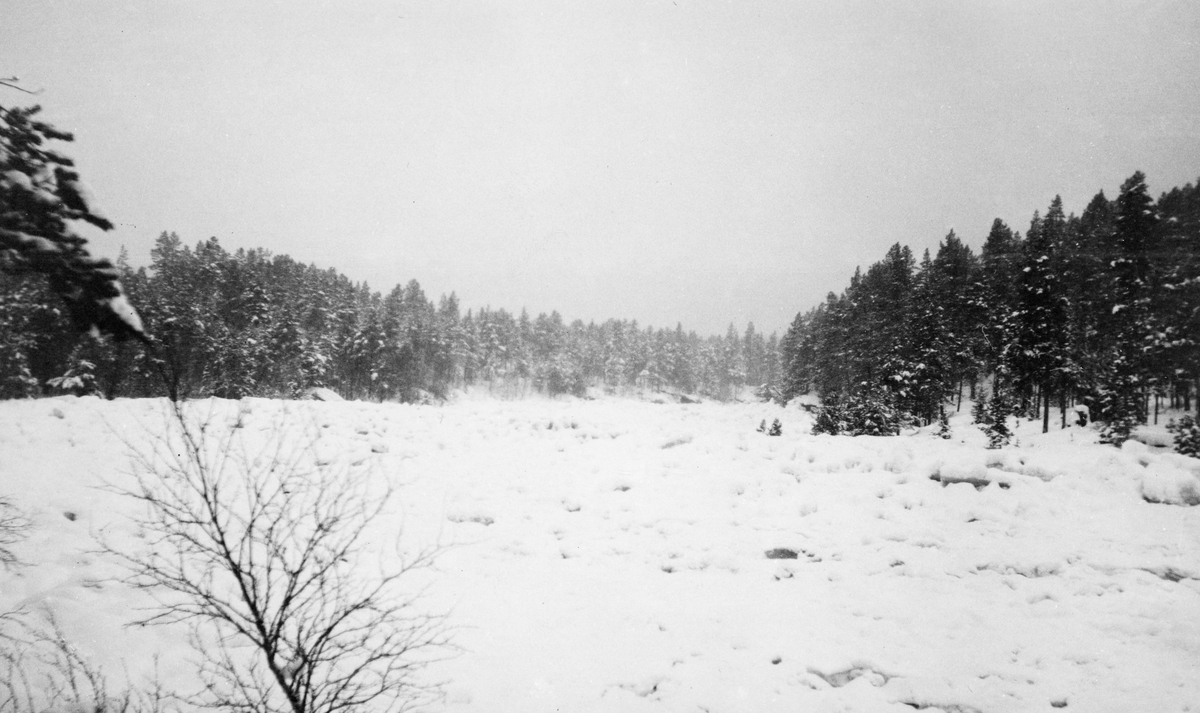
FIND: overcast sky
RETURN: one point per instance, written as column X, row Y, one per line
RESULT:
column 703, row 162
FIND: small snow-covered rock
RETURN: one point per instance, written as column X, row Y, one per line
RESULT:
column 320, row 393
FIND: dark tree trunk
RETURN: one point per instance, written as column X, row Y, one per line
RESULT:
column 1046, row 410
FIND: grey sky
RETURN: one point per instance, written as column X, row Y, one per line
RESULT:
column 667, row 161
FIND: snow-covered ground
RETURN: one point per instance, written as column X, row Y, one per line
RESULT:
column 623, row 555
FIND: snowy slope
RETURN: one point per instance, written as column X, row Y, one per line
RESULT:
column 627, row 556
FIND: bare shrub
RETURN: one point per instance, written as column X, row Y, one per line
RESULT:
column 14, row 527
column 42, row 671
column 260, row 548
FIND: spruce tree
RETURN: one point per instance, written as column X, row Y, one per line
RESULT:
column 1038, row 353
column 1001, row 257
column 41, row 195
column 1122, row 387
column 929, row 347
column 1176, row 305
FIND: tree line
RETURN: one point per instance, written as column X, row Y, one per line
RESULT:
column 249, row 323
column 204, row 322
column 1100, row 309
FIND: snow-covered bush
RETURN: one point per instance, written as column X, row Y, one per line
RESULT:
column 943, row 431
column 1119, row 404
column 1187, row 436
column 870, row 412
column 776, row 429
column 830, row 419
column 766, row 393
column 980, row 415
column 996, row 421
column 561, row 376
column 78, row 380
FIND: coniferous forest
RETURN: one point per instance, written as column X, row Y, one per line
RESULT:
column 1096, row 315
column 249, row 323
column 205, row 322
column 1100, row 310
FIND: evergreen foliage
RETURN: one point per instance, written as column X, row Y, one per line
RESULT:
column 41, row 200
column 1187, row 436
column 998, row 410
column 1102, row 310
column 249, row 323
column 874, row 412
column 830, row 419
column 871, row 411
column 944, row 431
column 980, row 415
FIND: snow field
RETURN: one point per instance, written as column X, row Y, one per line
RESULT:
column 618, row 555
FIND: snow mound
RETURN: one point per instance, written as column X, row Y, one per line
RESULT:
column 320, row 393
column 1154, row 436
column 963, row 468
column 1170, row 484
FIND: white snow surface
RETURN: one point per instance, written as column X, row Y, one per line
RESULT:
column 612, row 555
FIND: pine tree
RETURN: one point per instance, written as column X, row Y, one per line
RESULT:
column 929, row 344
column 1176, row 342
column 999, row 409
column 175, row 305
column 1001, row 258
column 1102, row 307
column 35, row 335
column 40, row 194
column 1038, row 354
column 957, row 288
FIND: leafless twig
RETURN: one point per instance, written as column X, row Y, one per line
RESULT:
column 14, row 527
column 259, row 548
column 41, row 670
column 11, row 83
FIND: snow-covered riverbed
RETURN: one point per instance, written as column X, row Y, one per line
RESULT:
column 623, row 555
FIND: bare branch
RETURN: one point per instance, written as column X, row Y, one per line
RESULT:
column 14, row 527
column 11, row 83
column 259, row 547
column 42, row 670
